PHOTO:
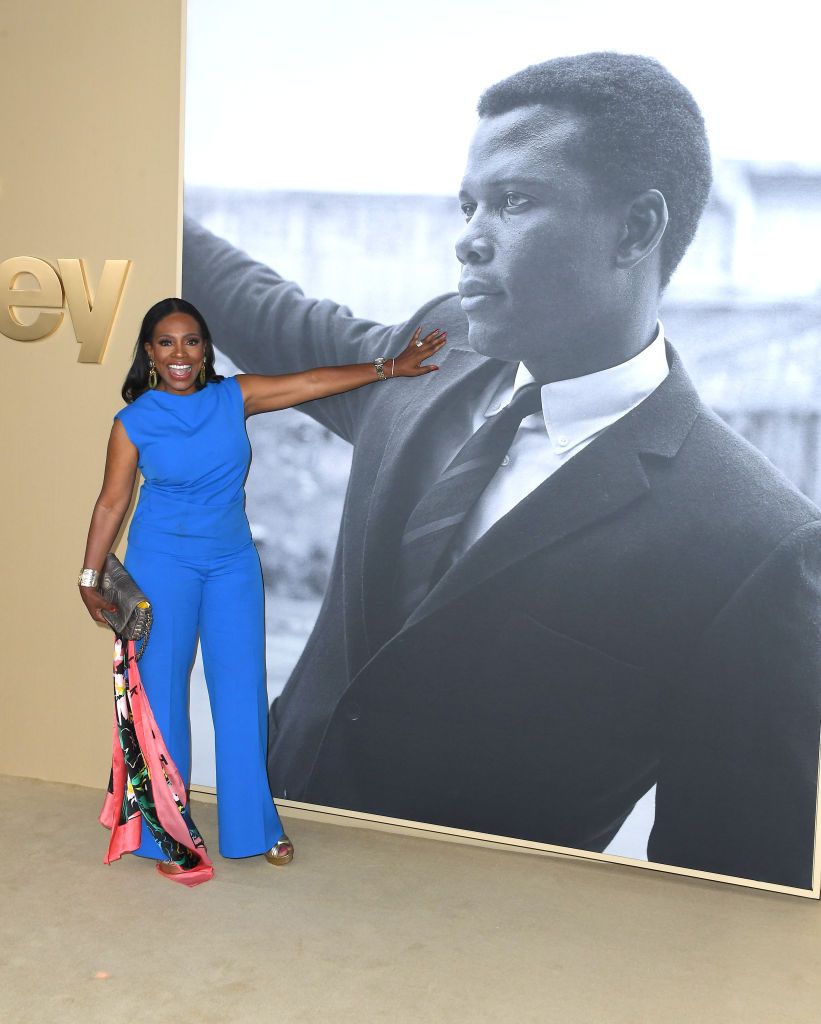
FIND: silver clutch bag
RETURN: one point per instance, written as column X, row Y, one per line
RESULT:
column 133, row 619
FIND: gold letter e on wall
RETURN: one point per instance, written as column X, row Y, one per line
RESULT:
column 47, row 295
column 92, row 317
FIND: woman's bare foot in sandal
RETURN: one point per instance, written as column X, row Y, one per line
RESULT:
column 168, row 867
column 281, row 853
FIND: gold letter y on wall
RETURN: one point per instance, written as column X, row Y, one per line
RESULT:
column 93, row 318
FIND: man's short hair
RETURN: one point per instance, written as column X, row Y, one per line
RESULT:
column 645, row 131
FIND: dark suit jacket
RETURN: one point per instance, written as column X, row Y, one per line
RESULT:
column 648, row 614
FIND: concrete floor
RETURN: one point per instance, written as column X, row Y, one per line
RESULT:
column 367, row 926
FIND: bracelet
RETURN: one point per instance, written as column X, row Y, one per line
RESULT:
column 392, row 362
column 88, row 578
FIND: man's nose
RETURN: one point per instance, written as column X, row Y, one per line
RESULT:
column 473, row 245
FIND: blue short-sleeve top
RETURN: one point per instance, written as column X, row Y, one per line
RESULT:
column 194, row 456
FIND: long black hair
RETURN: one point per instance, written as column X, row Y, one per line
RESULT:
column 136, row 380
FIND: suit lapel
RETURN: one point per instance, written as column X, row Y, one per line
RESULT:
column 597, row 483
column 420, row 442
column 603, row 479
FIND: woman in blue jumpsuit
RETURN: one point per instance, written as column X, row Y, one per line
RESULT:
column 190, row 548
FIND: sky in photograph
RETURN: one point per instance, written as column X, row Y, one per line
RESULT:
column 375, row 96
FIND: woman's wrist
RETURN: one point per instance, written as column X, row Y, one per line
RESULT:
column 88, row 578
column 384, row 367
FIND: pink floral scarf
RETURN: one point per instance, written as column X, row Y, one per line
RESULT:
column 145, row 786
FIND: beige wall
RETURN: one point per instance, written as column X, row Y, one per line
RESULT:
column 91, row 168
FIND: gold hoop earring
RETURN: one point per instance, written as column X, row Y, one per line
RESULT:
column 152, row 374
column 202, row 375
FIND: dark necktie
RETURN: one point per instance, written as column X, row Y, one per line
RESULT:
column 435, row 521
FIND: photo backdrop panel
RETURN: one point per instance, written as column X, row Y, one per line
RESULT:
column 572, row 681
column 91, row 190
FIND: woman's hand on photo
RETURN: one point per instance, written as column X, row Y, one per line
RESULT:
column 96, row 604
column 409, row 362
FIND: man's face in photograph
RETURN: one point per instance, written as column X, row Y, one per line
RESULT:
column 537, row 252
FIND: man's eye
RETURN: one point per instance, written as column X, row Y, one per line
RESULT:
column 468, row 209
column 514, row 201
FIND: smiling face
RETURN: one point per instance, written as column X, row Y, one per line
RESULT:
column 538, row 278
column 178, row 351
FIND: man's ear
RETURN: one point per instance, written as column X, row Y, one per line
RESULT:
column 645, row 220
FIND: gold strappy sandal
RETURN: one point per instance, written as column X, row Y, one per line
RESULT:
column 282, row 853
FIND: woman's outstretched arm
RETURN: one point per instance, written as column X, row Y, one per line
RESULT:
column 265, row 394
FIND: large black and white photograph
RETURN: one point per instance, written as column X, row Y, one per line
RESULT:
column 565, row 587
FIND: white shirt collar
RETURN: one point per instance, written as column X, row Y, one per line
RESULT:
column 574, row 410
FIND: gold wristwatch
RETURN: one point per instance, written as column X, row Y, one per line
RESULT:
column 379, row 366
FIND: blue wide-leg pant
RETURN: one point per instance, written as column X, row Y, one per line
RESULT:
column 220, row 598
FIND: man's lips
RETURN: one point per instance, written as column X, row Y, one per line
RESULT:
column 474, row 294
column 470, row 287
